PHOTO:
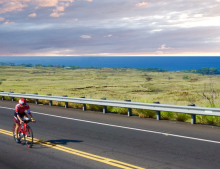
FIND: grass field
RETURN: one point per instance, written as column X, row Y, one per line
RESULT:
column 121, row 84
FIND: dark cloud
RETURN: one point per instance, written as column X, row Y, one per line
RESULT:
column 181, row 25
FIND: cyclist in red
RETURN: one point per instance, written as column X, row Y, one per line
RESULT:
column 20, row 114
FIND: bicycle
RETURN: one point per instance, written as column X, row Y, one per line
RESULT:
column 24, row 133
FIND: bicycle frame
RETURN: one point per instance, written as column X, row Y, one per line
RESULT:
column 24, row 129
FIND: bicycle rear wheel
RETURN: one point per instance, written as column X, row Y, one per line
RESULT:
column 20, row 135
column 28, row 137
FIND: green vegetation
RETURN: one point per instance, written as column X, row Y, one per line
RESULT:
column 78, row 67
column 203, row 71
column 185, row 77
column 152, row 70
column 115, row 84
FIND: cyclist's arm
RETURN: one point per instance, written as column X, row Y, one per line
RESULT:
column 30, row 115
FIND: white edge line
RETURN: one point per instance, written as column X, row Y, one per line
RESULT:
column 130, row 128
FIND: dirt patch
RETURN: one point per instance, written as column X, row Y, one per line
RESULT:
column 81, row 88
column 141, row 91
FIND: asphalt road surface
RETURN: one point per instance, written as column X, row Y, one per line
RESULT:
column 95, row 140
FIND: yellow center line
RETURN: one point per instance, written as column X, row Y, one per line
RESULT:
column 108, row 161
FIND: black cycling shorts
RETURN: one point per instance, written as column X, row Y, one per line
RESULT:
column 16, row 120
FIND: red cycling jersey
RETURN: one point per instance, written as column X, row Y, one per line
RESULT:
column 20, row 110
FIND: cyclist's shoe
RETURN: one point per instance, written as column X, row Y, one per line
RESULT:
column 18, row 140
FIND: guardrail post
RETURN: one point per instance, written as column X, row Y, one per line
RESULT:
column 129, row 109
column 66, row 103
column 50, row 101
column 158, row 112
column 84, row 105
column 12, row 98
column 104, row 107
column 193, row 116
column 193, row 119
column 2, row 96
column 36, row 101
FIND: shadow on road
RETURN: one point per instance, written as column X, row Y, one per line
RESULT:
column 64, row 141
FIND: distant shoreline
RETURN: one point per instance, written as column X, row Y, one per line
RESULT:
column 169, row 63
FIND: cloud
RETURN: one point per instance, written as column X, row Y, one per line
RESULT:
column 55, row 14
column 158, row 53
column 68, row 0
column 60, row 8
column 11, row 6
column 108, row 36
column 51, row 3
column 65, row 4
column 141, row 4
column 164, row 47
column 2, row 19
column 85, row 36
column 7, row 22
column 46, row 3
column 89, row 0
column 19, row 5
column 134, row 29
column 32, row 15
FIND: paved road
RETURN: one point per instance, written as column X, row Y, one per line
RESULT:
column 112, row 136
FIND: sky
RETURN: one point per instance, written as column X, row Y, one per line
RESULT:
column 109, row 28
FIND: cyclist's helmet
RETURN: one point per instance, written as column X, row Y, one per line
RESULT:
column 22, row 101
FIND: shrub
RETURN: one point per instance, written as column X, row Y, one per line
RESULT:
column 182, row 117
column 167, row 115
column 44, row 102
column 210, row 120
column 149, row 78
column 30, row 100
column 185, row 77
column 95, row 107
column 7, row 98
column 146, row 113
column 193, row 80
column 77, row 105
column 122, row 110
column 109, row 109
column 56, row 103
column 119, row 110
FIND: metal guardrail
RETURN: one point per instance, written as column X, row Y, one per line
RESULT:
column 125, row 104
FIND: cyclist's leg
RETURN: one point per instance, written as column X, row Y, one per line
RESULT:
column 17, row 125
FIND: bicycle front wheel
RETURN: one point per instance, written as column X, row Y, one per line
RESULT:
column 29, row 137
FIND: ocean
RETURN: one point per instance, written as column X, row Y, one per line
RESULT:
column 170, row 63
